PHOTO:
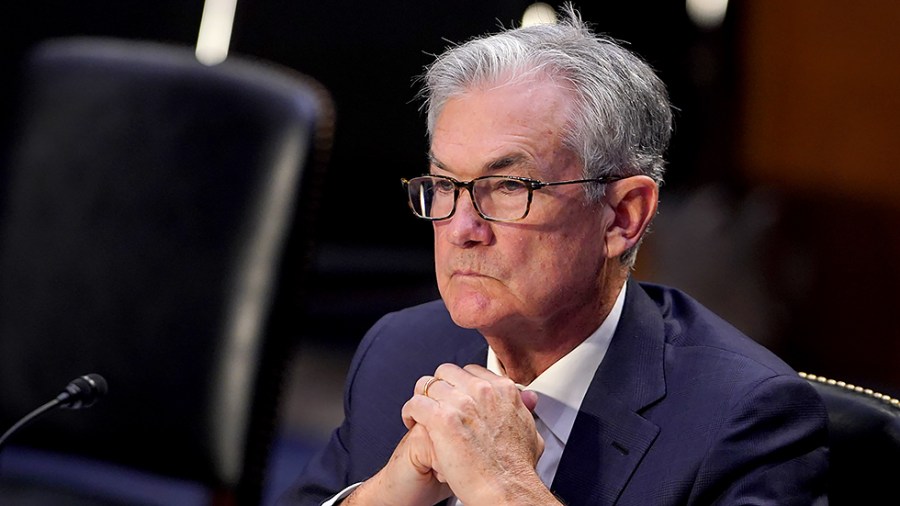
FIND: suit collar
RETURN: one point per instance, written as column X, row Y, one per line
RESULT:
column 634, row 370
column 610, row 437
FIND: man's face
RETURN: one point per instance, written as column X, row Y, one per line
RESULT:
column 537, row 272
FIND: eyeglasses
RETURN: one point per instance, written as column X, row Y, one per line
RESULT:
column 496, row 198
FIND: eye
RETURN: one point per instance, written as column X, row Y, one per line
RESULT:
column 510, row 186
column 443, row 185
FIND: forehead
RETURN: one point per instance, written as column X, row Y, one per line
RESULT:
column 524, row 121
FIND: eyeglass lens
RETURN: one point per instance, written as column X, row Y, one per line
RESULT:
column 497, row 198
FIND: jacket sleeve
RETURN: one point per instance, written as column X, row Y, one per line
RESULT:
column 772, row 450
column 327, row 472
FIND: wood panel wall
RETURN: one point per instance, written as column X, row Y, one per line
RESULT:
column 820, row 125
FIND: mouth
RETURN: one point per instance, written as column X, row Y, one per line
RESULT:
column 468, row 273
column 469, row 267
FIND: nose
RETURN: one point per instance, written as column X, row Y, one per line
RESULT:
column 466, row 227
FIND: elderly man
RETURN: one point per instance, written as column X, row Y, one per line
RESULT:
column 545, row 374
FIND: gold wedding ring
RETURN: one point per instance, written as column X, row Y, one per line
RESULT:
column 428, row 384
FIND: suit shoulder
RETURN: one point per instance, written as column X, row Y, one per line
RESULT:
column 690, row 324
column 421, row 331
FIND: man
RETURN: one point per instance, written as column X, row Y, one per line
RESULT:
column 545, row 375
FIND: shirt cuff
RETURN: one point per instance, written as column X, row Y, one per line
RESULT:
column 341, row 496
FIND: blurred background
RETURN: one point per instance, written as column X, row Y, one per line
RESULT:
column 780, row 209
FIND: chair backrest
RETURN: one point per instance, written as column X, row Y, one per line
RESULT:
column 156, row 230
column 864, row 434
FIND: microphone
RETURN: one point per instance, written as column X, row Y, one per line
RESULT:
column 82, row 392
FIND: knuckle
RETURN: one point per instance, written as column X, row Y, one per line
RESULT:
column 482, row 389
column 507, row 385
column 445, row 368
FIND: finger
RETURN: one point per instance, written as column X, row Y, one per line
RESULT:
column 416, row 410
column 453, row 374
column 510, row 389
column 464, row 380
column 423, row 385
column 529, row 398
column 427, row 385
column 419, row 387
column 422, row 452
column 481, row 372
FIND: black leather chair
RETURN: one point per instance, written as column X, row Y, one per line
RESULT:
column 156, row 230
column 864, row 429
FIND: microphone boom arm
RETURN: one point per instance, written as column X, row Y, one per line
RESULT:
column 82, row 392
column 27, row 419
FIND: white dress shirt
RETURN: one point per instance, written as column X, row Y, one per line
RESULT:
column 560, row 389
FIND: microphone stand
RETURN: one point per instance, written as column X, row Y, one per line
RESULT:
column 27, row 419
column 82, row 392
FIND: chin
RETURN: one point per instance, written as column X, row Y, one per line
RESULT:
column 471, row 310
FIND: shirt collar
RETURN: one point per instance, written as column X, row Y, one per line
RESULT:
column 561, row 388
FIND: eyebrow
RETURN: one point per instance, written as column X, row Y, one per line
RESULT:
column 500, row 163
column 434, row 161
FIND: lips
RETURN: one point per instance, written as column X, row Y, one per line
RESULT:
column 470, row 266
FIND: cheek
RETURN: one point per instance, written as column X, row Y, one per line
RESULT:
column 539, row 263
column 443, row 259
column 440, row 249
column 568, row 259
column 558, row 265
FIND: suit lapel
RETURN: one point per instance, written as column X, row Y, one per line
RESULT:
column 610, row 437
column 473, row 354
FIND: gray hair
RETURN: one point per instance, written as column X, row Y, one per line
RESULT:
column 622, row 120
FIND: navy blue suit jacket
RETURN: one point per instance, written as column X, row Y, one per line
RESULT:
column 684, row 409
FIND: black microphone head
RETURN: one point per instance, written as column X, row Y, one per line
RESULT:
column 83, row 392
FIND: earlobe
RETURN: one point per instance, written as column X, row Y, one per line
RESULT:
column 633, row 201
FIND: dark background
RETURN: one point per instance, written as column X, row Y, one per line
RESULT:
column 367, row 55
column 770, row 215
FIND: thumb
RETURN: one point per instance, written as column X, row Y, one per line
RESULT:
column 530, row 399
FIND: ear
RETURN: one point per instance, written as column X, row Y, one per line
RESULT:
column 633, row 201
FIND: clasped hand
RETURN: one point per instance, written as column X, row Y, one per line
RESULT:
column 472, row 436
